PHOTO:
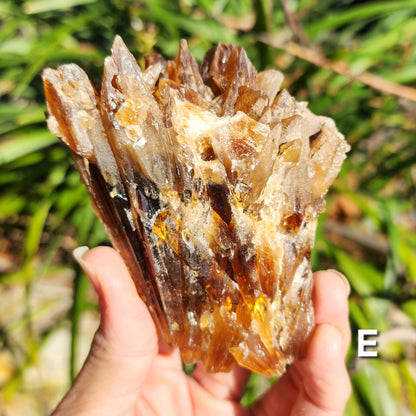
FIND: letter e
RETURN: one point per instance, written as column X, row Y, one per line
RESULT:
column 363, row 343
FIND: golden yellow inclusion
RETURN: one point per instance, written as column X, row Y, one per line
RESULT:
column 209, row 180
column 229, row 303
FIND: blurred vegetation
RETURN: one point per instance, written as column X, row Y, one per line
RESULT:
column 354, row 61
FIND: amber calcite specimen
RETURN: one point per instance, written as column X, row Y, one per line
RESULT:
column 209, row 182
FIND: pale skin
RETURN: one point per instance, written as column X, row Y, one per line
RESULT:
column 129, row 371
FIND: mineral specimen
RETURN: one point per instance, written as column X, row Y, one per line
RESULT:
column 209, row 185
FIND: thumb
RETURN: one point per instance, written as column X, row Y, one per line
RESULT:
column 126, row 329
column 125, row 343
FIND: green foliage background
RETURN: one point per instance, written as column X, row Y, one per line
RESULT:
column 369, row 229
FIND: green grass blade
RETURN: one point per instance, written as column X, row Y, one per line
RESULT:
column 23, row 143
column 79, row 305
column 35, row 229
column 365, row 279
column 42, row 6
column 370, row 11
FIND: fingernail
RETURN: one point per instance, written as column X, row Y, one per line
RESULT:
column 347, row 283
column 78, row 255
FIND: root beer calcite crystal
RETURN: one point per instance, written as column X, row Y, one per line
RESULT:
column 209, row 182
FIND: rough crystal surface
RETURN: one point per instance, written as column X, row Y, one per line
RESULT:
column 209, row 182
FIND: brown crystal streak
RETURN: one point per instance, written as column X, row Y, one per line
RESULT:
column 210, row 188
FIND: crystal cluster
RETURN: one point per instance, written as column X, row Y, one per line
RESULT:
column 209, row 182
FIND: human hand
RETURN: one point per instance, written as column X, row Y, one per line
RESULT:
column 129, row 371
